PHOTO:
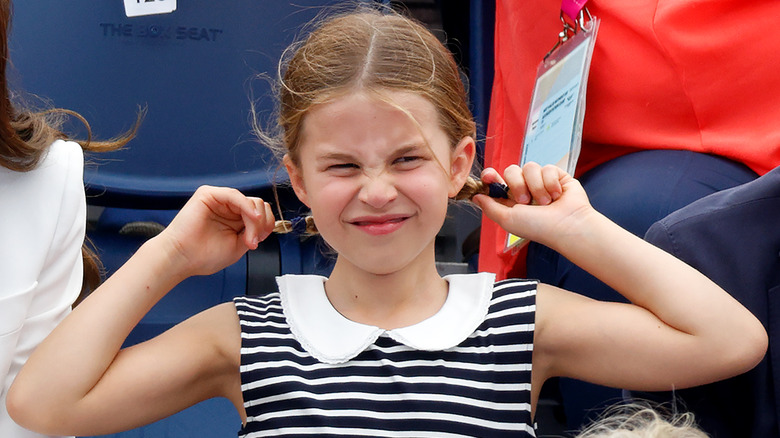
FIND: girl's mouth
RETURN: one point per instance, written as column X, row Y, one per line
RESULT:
column 377, row 226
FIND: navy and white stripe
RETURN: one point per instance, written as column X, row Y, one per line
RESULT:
column 479, row 388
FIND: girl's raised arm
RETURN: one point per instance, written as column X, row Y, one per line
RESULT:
column 681, row 330
column 79, row 382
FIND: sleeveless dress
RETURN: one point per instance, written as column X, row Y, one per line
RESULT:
column 464, row 372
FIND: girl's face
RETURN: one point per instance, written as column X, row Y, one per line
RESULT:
column 378, row 183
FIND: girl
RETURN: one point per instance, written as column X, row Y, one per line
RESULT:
column 378, row 139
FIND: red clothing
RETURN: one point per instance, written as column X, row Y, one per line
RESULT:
column 696, row 75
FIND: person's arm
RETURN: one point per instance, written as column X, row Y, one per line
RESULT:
column 79, row 381
column 681, row 330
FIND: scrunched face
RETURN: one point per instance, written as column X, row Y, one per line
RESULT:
column 377, row 175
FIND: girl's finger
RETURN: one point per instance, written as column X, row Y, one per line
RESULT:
column 233, row 206
column 518, row 188
column 551, row 177
column 226, row 202
column 490, row 207
column 534, row 180
column 270, row 221
column 490, row 175
column 250, row 219
column 256, row 222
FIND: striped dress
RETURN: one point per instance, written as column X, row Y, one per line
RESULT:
column 465, row 372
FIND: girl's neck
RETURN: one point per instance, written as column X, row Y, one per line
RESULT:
column 389, row 301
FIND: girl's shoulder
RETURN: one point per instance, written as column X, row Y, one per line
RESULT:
column 515, row 284
column 512, row 301
column 253, row 307
column 517, row 291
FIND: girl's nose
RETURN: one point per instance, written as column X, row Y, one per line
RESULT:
column 378, row 191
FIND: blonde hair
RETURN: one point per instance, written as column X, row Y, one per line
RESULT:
column 638, row 420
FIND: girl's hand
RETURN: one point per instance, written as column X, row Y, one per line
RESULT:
column 544, row 202
column 216, row 227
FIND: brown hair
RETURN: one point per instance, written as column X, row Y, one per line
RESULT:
column 25, row 136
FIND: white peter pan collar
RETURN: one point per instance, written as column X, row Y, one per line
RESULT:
column 331, row 338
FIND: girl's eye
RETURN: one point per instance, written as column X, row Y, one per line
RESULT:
column 342, row 167
column 408, row 160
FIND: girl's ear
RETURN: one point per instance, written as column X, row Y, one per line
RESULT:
column 460, row 167
column 296, row 179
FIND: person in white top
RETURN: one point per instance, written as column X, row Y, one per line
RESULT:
column 43, row 260
column 41, row 233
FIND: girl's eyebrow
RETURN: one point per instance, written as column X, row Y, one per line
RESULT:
column 411, row 148
column 414, row 147
column 336, row 156
column 343, row 156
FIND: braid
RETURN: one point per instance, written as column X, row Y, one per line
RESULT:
column 470, row 188
column 474, row 187
column 303, row 225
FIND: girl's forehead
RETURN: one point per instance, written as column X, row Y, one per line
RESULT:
column 363, row 121
column 361, row 111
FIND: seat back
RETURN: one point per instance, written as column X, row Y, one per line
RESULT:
column 191, row 69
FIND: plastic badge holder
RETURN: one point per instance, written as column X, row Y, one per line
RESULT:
column 554, row 125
